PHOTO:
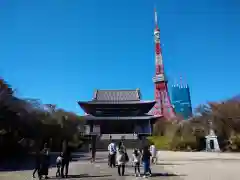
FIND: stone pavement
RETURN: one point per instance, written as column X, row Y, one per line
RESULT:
column 201, row 165
column 179, row 165
column 83, row 169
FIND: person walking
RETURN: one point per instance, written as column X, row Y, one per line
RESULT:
column 66, row 158
column 93, row 148
column 112, row 154
column 146, row 156
column 37, row 163
column 136, row 160
column 122, row 158
column 153, row 152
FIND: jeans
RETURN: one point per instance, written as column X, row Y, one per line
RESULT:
column 146, row 167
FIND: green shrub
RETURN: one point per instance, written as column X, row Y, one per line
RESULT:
column 234, row 144
column 183, row 144
column 161, row 142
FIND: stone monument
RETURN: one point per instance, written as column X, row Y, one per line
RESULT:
column 211, row 140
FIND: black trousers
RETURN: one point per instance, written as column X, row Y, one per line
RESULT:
column 58, row 173
column 121, row 170
column 93, row 155
column 65, row 165
column 112, row 160
column 137, row 168
column 37, row 167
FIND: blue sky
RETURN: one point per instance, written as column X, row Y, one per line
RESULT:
column 59, row 51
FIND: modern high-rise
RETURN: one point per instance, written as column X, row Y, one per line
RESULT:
column 181, row 100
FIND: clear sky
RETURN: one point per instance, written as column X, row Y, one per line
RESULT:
column 59, row 51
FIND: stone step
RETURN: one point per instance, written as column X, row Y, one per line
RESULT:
column 102, row 145
column 118, row 136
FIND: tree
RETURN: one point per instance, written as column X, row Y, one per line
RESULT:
column 24, row 122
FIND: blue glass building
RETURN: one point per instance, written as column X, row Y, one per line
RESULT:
column 181, row 100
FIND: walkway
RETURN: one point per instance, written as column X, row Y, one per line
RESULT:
column 80, row 168
column 202, row 165
column 187, row 166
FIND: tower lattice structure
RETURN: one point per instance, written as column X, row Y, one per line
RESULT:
column 163, row 106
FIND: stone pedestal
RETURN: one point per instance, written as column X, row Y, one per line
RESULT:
column 212, row 142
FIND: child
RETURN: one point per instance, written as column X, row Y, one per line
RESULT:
column 59, row 163
column 136, row 160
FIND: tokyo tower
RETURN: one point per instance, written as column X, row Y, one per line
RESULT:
column 163, row 106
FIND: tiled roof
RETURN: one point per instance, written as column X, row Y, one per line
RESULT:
column 117, row 95
column 145, row 117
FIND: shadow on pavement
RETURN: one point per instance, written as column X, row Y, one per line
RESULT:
column 82, row 176
column 169, row 164
column 28, row 162
column 165, row 174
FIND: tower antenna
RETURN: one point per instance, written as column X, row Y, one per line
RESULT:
column 155, row 17
column 181, row 81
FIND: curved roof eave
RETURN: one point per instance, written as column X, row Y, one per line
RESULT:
column 115, row 102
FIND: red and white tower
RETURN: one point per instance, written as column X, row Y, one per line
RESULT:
column 163, row 106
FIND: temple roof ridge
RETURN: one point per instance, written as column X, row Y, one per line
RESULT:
column 117, row 95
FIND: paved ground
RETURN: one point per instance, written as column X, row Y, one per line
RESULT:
column 180, row 166
column 81, row 168
column 202, row 165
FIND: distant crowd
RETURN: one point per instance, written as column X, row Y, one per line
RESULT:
column 117, row 157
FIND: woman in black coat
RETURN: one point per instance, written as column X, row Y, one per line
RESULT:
column 45, row 162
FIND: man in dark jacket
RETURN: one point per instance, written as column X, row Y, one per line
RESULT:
column 66, row 159
column 93, row 148
column 146, row 155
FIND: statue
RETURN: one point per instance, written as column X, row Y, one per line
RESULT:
column 211, row 140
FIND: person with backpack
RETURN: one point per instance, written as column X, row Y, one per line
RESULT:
column 122, row 158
